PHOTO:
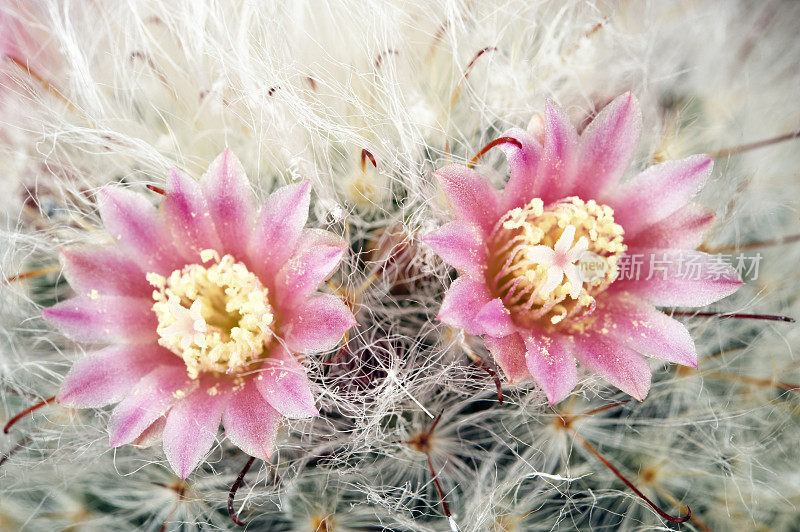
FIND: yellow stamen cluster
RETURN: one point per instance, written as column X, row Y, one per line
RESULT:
column 216, row 318
column 519, row 280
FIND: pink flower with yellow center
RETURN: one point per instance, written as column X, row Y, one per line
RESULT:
column 566, row 263
column 203, row 304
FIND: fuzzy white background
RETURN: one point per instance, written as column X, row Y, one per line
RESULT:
column 297, row 90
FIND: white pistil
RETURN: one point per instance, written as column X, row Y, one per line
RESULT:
column 535, row 253
column 217, row 318
column 560, row 262
column 189, row 326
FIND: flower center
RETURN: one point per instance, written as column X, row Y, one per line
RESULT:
column 216, row 318
column 537, row 255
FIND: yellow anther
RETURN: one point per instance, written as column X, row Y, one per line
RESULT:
column 535, row 253
column 217, row 318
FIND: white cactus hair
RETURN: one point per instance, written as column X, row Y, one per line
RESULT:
column 316, row 90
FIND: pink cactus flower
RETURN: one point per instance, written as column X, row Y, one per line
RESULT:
column 22, row 39
column 520, row 254
column 202, row 304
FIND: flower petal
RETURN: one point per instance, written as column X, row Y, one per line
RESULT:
column 105, row 269
column 283, row 382
column 523, row 163
column 250, row 422
column 278, row 228
column 550, row 361
column 188, row 217
column 318, row 254
column 659, row 191
column 191, row 428
column 684, row 229
column 509, row 353
column 557, row 169
column 616, row 363
column 86, row 318
column 230, row 202
column 105, row 377
column 461, row 245
column 318, row 325
column 676, row 277
column 149, row 400
column 471, row 196
column 152, row 434
column 607, row 146
column 640, row 326
column 139, row 229
column 462, row 302
column 495, row 319
column 19, row 38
